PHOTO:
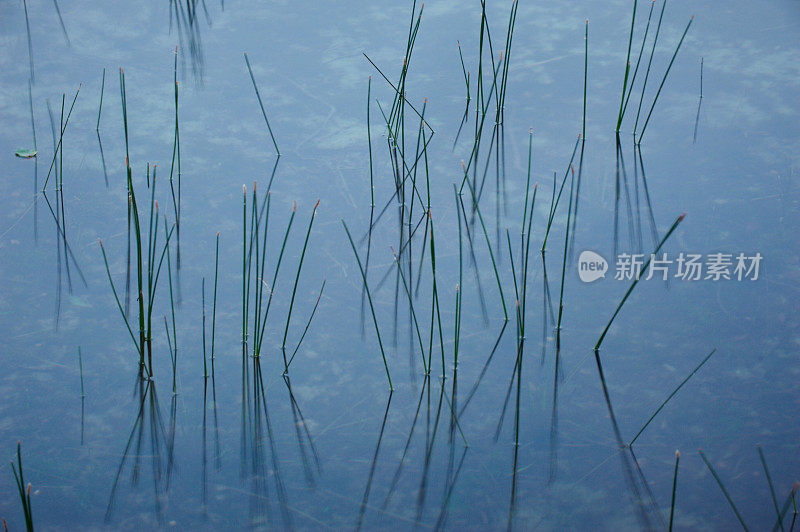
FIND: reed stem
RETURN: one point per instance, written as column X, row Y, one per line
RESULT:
column 664, row 79
column 371, row 306
column 674, row 490
column 684, row 381
column 214, row 304
column 636, row 280
column 261, row 104
column 294, row 290
column 100, row 108
column 722, row 487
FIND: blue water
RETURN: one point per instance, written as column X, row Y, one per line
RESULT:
column 332, row 447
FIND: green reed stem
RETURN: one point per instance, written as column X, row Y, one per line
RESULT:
column 722, row 487
column 674, row 490
column 586, row 76
column 274, row 280
column 489, row 246
column 371, row 306
column 80, row 366
column 684, row 381
column 771, row 487
column 369, row 141
column 435, row 302
column 627, row 67
column 525, row 257
column 649, row 64
column 100, row 108
column 176, row 156
column 463, row 69
column 516, row 286
column 205, row 366
column 639, row 58
column 116, row 297
column 171, row 352
column 214, row 304
column 459, row 286
column 658, row 92
column 636, row 280
column 556, row 199
column 261, row 104
column 413, row 312
column 564, row 261
column 296, row 280
column 60, row 139
column 24, row 491
column 244, row 268
column 308, row 323
column 174, row 349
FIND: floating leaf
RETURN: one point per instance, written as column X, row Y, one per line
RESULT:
column 25, row 154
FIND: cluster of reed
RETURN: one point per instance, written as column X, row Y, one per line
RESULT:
column 148, row 268
column 254, row 282
column 629, row 79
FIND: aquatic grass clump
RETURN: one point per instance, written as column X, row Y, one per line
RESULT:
column 23, row 489
column 148, row 284
column 254, row 276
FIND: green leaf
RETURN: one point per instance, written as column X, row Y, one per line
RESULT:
column 25, row 154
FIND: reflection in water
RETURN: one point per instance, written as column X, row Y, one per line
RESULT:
column 185, row 17
column 59, row 217
column 423, row 474
column 61, row 22
column 365, row 498
column 633, row 208
column 254, row 443
column 35, row 170
column 643, row 511
column 148, row 426
column 304, row 438
column 653, row 229
column 97, row 127
column 699, row 103
column 217, row 450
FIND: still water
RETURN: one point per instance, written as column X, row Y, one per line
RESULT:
column 329, row 446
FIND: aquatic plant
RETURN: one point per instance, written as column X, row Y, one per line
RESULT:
column 23, row 489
